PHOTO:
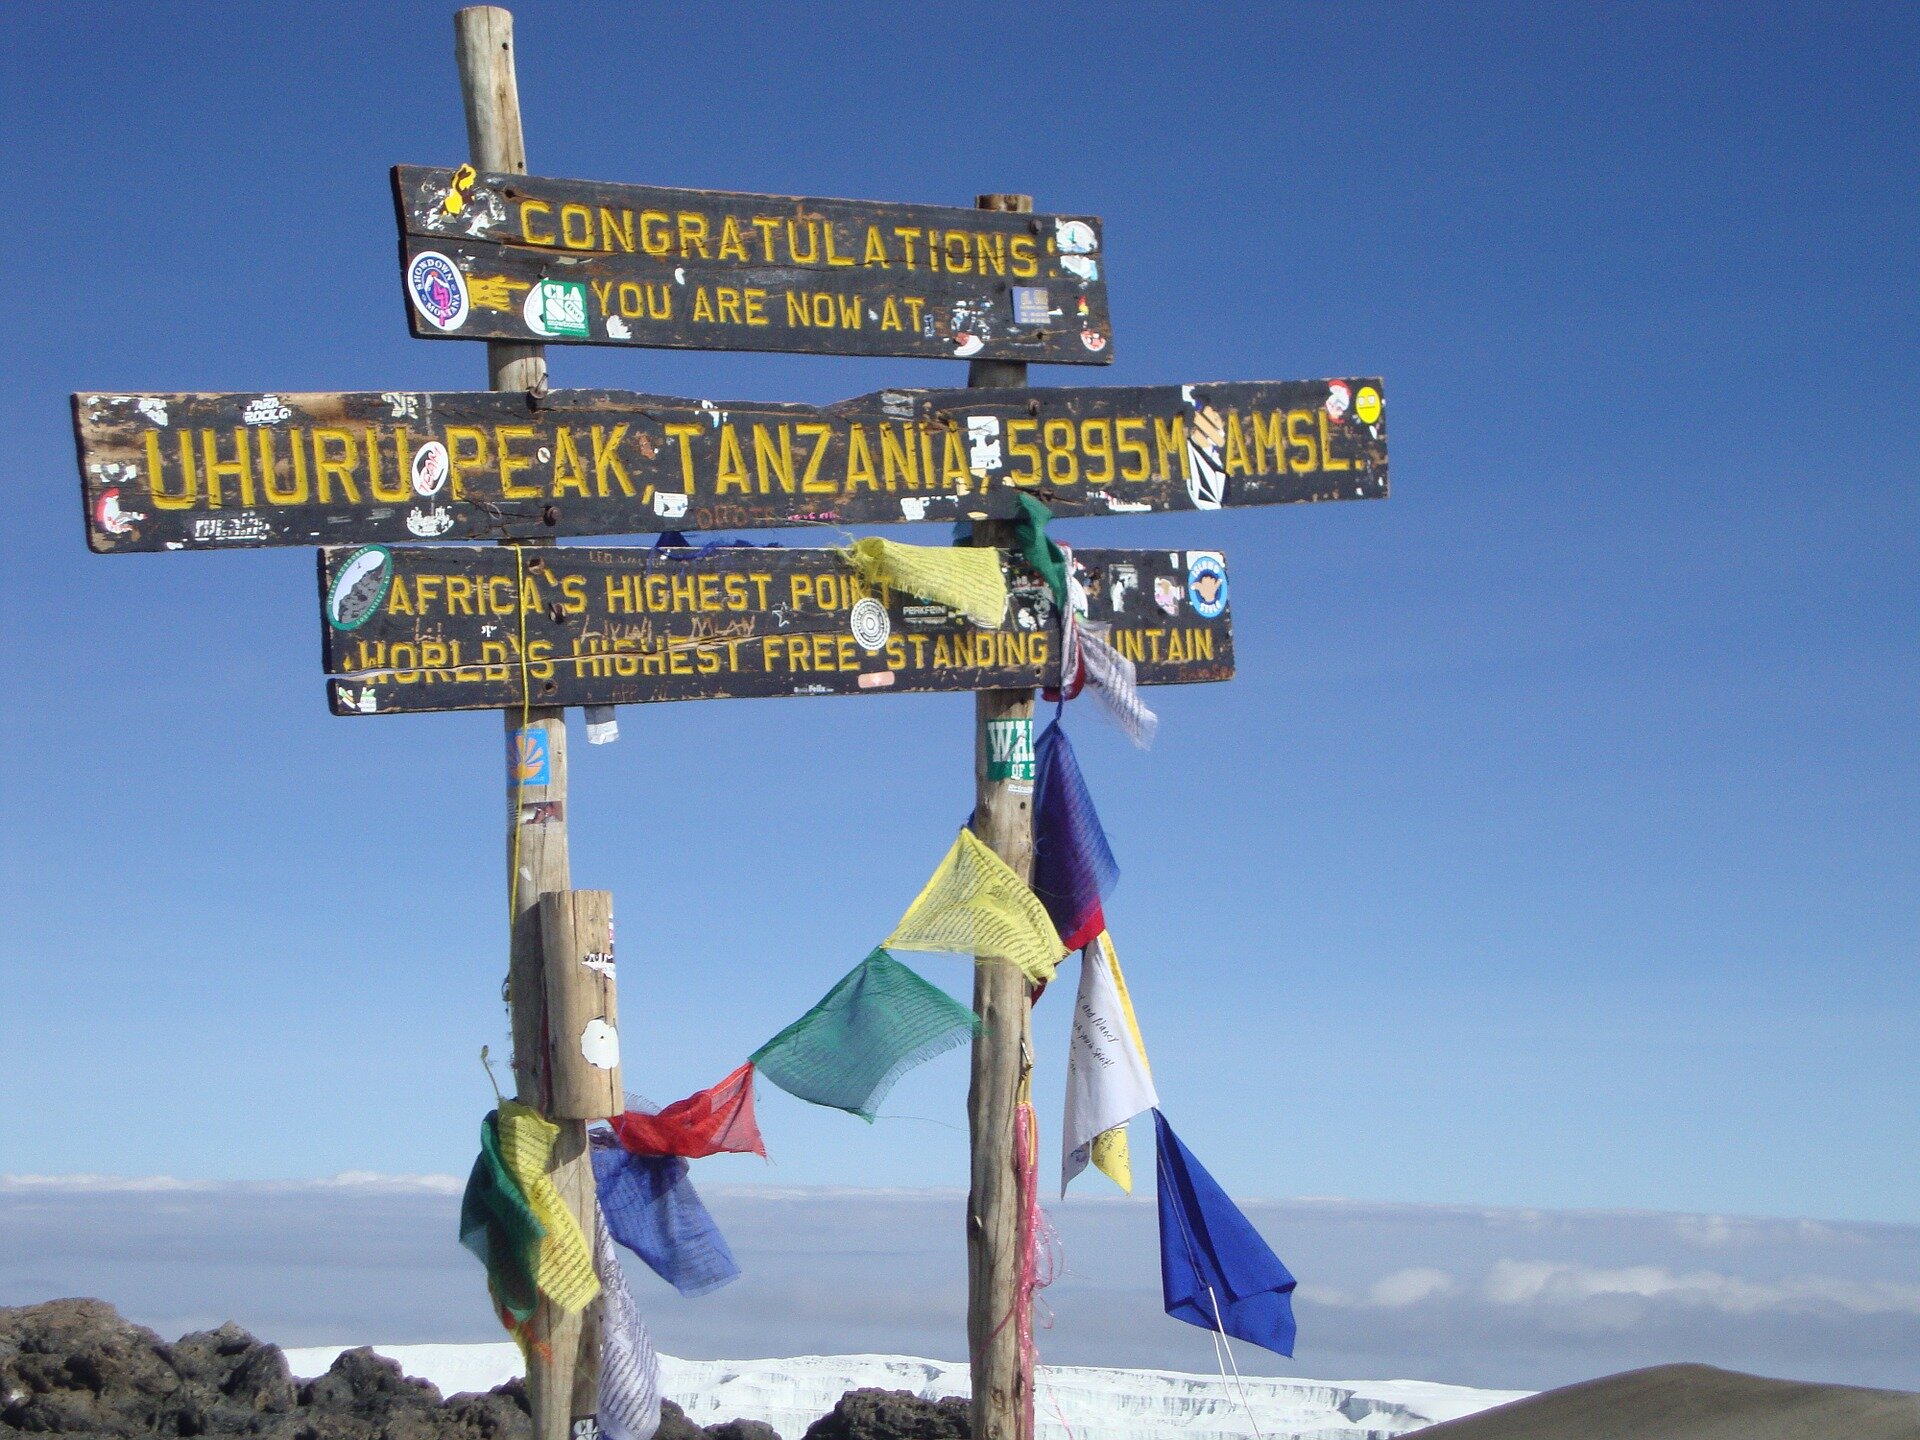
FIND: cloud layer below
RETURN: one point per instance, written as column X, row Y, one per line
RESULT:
column 1496, row 1297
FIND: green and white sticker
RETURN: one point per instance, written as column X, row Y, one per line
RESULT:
column 557, row 307
column 1010, row 750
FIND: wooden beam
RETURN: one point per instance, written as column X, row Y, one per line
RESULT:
column 1002, row 1050
column 563, row 1372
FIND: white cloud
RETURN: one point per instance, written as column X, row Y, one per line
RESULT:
column 1541, row 1282
column 1409, row 1287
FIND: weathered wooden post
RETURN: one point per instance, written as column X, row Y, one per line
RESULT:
column 563, row 1372
column 1003, row 818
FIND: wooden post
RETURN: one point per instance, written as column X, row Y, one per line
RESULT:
column 1002, row 1055
column 563, row 1373
column 583, row 1037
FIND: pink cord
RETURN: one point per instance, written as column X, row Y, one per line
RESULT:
column 1039, row 1253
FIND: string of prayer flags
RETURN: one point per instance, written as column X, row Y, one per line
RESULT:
column 499, row 1227
column 962, row 579
column 563, row 1266
column 872, row 1027
column 1215, row 1270
column 629, row 1399
column 975, row 905
column 652, row 1208
column 1112, row 1156
column 1108, row 1082
column 715, row 1119
column 1073, row 866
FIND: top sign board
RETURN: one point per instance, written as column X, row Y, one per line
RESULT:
column 519, row 257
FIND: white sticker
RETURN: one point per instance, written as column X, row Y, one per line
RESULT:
column 870, row 624
column 438, row 290
column 1075, row 237
column 983, row 439
column 600, row 1043
column 669, row 505
column 430, row 469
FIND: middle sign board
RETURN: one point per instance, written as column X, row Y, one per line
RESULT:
column 220, row 471
column 452, row 627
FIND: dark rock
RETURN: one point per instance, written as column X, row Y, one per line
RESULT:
column 894, row 1415
column 742, row 1430
column 362, row 1380
column 674, row 1424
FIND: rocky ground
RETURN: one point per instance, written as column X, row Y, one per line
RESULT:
column 74, row 1367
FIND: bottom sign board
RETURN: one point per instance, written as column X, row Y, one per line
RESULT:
column 423, row 628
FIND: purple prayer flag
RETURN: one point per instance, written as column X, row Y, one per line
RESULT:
column 1073, row 866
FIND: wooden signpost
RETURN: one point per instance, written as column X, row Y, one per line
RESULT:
column 528, row 626
column 232, row 471
column 442, row 627
column 499, row 256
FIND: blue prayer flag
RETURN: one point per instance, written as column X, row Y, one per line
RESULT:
column 1215, row 1270
column 651, row 1208
column 1073, row 866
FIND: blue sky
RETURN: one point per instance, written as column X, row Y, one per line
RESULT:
column 1555, row 845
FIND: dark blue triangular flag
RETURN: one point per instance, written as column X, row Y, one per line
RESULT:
column 1073, row 866
column 1215, row 1270
column 651, row 1208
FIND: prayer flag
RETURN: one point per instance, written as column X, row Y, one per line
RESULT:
column 563, row 1266
column 1073, row 866
column 1215, row 1270
column 1112, row 1156
column 975, row 905
column 872, row 1027
column 959, row 577
column 651, row 1208
column 1107, row 1078
column 497, row 1225
column 1113, row 678
column 1041, row 552
column 717, row 1118
column 629, row 1401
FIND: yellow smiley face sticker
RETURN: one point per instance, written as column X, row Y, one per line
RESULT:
column 1367, row 405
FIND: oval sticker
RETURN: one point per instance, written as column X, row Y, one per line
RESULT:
column 359, row 588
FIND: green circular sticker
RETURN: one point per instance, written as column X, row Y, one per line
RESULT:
column 359, row 588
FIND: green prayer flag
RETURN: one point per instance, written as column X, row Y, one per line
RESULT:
column 879, row 1022
column 499, row 1227
column 1040, row 552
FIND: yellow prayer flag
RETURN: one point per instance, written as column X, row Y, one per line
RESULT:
column 957, row 576
column 564, row 1267
column 1111, row 1155
column 975, row 905
column 1113, row 1158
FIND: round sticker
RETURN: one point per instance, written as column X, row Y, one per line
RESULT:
column 1367, row 405
column 1075, row 237
column 429, row 469
column 359, row 588
column 871, row 627
column 1339, row 397
column 438, row 290
column 1206, row 584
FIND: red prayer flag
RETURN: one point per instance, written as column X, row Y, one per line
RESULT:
column 718, row 1118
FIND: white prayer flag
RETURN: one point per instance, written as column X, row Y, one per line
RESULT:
column 1108, row 1082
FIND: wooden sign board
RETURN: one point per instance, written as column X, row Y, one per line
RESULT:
column 220, row 471
column 420, row 628
column 521, row 257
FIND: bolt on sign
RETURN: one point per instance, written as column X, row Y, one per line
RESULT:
column 422, row 628
column 522, row 257
column 187, row 471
